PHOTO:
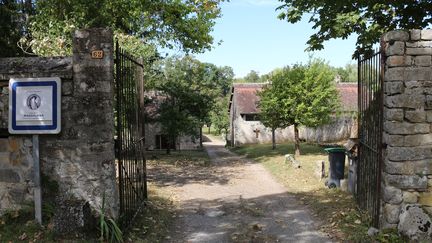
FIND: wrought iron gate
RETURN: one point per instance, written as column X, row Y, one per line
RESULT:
column 131, row 169
column 370, row 103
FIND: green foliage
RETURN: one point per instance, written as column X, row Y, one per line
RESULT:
column 167, row 24
column 302, row 95
column 109, row 231
column 348, row 73
column 369, row 19
column 219, row 115
column 190, row 91
column 252, row 77
column 12, row 26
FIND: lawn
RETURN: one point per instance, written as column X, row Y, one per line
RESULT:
column 336, row 209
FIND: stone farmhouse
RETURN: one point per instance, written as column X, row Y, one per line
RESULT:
column 246, row 128
column 154, row 137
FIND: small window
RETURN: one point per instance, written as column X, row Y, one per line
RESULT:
column 250, row 117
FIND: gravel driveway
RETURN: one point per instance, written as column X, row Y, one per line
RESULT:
column 235, row 200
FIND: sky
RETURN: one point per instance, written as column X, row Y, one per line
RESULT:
column 253, row 38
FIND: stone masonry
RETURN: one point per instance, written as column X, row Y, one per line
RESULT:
column 80, row 160
column 407, row 170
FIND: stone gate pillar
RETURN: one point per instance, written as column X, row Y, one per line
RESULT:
column 407, row 170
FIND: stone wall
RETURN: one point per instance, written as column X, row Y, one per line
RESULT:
column 407, row 170
column 80, row 160
column 182, row 143
column 339, row 129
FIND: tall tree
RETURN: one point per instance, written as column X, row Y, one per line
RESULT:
column 184, row 24
column 271, row 111
column 189, row 97
column 252, row 77
column 305, row 95
column 368, row 19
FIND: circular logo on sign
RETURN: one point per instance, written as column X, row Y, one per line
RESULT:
column 33, row 101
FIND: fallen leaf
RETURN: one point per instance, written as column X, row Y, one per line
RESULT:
column 22, row 237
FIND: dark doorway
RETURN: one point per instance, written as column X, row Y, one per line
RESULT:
column 162, row 142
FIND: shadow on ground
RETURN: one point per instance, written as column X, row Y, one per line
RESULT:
column 270, row 218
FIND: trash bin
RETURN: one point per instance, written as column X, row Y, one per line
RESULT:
column 337, row 166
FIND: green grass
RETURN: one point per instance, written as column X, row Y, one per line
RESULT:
column 19, row 226
column 336, row 209
column 211, row 131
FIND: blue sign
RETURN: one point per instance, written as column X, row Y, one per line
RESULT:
column 34, row 105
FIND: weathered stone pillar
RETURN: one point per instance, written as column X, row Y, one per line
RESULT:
column 407, row 171
column 86, row 169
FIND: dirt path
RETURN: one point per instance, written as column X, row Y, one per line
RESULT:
column 235, row 200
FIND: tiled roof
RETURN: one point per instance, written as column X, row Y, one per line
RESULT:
column 348, row 96
column 247, row 98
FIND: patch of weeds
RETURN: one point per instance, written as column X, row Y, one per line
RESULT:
column 153, row 223
column 19, row 225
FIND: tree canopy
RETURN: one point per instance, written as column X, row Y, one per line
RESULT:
column 191, row 89
column 185, row 24
column 303, row 95
column 369, row 19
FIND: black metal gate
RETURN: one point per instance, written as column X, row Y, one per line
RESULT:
column 131, row 170
column 370, row 103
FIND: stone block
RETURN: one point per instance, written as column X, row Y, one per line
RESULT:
column 410, row 197
column 393, row 140
column 415, row 35
column 392, row 88
column 394, row 74
column 409, row 153
column 415, row 115
column 4, row 145
column 415, row 223
column 396, row 48
column 428, row 99
column 391, row 213
column 9, row 176
column 407, row 181
column 425, row 198
column 405, row 128
column 426, row 34
column 418, row 51
column 398, row 61
column 73, row 216
column 420, row 167
column 396, row 35
column 417, row 73
column 14, row 143
column 423, row 61
column 393, row 114
column 413, row 101
column 392, row 195
column 67, row 88
column 429, row 115
column 418, row 140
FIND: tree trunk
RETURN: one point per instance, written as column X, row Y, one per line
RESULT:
column 209, row 130
column 168, row 151
column 201, row 136
column 273, row 139
column 297, row 140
